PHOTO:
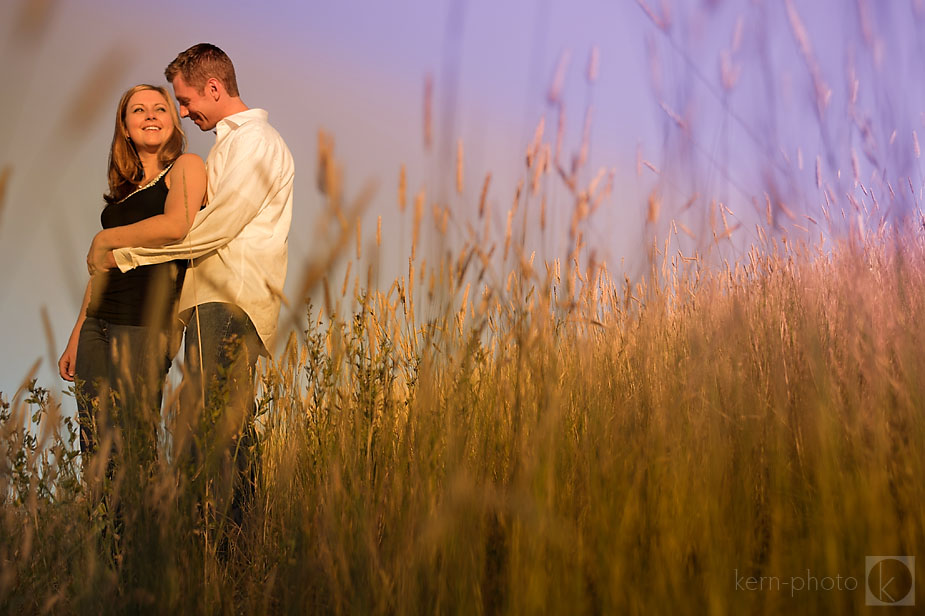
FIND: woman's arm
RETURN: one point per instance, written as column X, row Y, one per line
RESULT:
column 186, row 195
column 68, row 362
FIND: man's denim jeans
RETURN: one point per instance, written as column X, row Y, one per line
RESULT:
column 221, row 394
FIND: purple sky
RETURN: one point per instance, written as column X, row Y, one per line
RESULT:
column 357, row 70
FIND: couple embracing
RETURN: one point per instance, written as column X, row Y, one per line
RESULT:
column 184, row 244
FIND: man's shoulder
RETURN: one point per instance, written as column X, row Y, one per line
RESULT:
column 258, row 141
column 257, row 126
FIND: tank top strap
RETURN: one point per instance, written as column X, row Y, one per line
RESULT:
column 160, row 176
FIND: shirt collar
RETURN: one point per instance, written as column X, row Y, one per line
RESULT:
column 235, row 120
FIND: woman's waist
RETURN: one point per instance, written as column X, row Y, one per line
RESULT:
column 137, row 290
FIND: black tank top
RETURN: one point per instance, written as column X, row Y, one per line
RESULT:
column 146, row 295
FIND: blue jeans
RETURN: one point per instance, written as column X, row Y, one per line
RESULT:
column 219, row 402
column 121, row 369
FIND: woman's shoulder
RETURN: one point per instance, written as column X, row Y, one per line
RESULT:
column 187, row 163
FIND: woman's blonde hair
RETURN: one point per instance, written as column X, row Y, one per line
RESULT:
column 125, row 169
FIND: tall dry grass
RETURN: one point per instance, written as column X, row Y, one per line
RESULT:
column 609, row 450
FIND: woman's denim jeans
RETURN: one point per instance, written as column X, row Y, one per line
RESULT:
column 121, row 369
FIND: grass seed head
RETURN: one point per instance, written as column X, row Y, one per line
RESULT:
column 484, row 194
column 459, row 167
column 402, row 190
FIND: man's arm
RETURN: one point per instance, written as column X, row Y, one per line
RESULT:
column 187, row 193
column 249, row 175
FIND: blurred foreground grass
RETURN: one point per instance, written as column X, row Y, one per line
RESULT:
column 634, row 450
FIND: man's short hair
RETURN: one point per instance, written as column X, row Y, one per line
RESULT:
column 200, row 63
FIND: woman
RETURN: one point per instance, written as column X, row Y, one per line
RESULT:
column 119, row 343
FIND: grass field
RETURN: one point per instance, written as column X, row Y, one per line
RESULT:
column 558, row 444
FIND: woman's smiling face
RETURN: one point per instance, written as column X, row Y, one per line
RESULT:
column 148, row 120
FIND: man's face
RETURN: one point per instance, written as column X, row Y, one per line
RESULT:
column 198, row 106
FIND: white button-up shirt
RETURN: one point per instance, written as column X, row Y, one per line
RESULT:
column 238, row 241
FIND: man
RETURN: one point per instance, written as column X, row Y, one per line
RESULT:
column 230, row 298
